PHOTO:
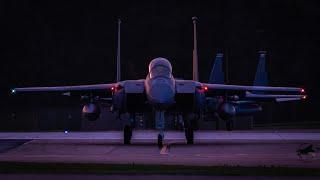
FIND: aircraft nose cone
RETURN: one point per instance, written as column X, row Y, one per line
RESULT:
column 162, row 93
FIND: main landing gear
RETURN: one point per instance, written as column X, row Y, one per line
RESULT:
column 189, row 133
column 190, row 125
column 127, row 134
column 127, row 130
column 229, row 124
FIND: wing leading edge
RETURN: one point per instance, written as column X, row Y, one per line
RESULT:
column 65, row 88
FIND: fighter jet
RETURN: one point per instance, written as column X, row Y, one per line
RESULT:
column 162, row 92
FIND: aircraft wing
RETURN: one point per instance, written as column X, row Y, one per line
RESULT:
column 64, row 89
column 278, row 94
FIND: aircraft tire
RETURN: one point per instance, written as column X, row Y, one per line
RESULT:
column 229, row 125
column 189, row 132
column 127, row 134
column 195, row 124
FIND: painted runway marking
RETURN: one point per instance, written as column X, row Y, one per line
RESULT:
column 165, row 150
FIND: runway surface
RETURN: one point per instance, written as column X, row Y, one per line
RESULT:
column 145, row 135
column 145, row 177
column 244, row 148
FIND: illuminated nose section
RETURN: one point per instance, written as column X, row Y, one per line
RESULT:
column 161, row 92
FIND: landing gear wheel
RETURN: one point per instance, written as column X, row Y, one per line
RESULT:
column 127, row 134
column 160, row 141
column 229, row 125
column 189, row 135
column 194, row 124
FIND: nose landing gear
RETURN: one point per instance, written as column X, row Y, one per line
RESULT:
column 160, row 140
column 160, row 120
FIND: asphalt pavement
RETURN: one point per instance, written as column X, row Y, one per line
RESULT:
column 243, row 148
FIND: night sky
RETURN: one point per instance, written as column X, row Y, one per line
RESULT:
column 54, row 42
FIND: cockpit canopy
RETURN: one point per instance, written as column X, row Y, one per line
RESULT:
column 160, row 67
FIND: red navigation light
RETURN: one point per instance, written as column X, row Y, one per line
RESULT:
column 116, row 88
column 205, row 88
column 302, row 90
column 304, row 97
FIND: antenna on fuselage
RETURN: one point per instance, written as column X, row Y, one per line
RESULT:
column 118, row 78
column 195, row 74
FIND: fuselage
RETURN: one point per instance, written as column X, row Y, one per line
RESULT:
column 160, row 83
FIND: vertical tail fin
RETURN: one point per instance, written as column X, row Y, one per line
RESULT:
column 261, row 78
column 217, row 73
column 118, row 78
column 195, row 75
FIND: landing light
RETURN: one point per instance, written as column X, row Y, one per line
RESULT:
column 112, row 88
column 302, row 90
column 13, row 91
column 304, row 97
column 205, row 88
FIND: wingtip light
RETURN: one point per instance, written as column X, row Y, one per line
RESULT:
column 304, row 97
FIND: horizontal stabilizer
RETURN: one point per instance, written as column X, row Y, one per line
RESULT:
column 287, row 99
column 276, row 97
column 217, row 73
column 252, row 95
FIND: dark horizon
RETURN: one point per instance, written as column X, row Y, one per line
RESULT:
column 46, row 43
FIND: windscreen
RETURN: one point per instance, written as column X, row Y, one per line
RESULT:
column 160, row 70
